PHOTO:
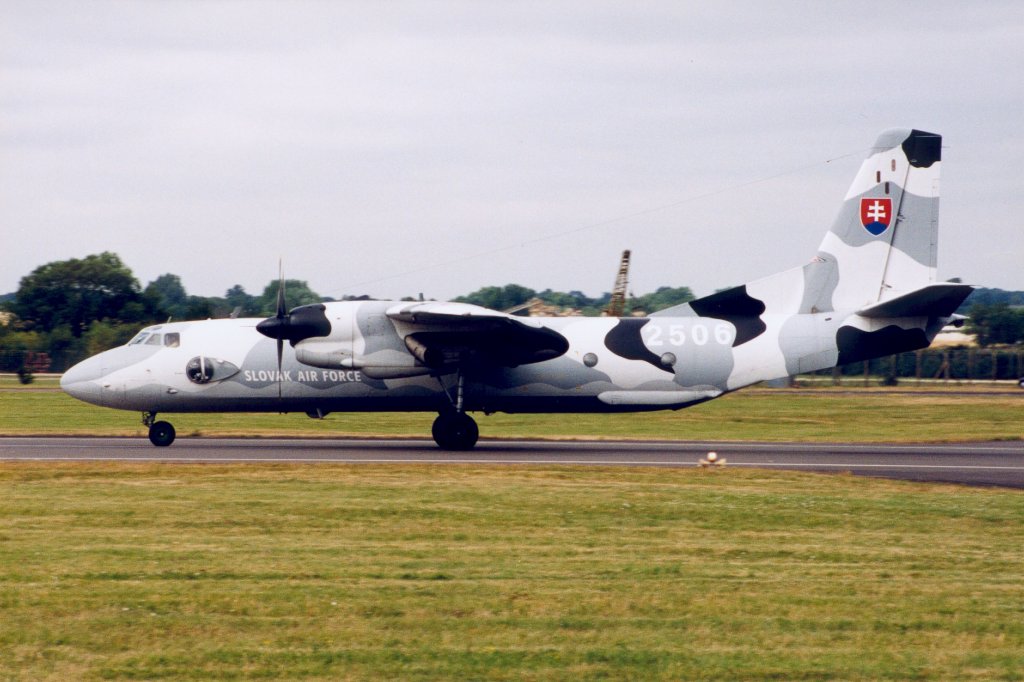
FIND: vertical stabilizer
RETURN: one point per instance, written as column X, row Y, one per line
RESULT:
column 883, row 242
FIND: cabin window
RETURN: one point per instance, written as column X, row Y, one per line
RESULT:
column 886, row 187
column 893, row 164
column 172, row 339
column 878, row 176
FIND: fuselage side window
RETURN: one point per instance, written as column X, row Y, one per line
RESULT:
column 172, row 339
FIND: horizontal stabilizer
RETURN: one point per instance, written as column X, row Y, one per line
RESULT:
column 935, row 300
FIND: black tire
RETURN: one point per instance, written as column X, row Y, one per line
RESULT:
column 454, row 431
column 161, row 434
column 1021, row 382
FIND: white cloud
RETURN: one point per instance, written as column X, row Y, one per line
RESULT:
column 361, row 140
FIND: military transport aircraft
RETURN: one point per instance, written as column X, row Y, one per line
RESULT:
column 869, row 291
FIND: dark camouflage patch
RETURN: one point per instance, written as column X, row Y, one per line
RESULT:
column 738, row 308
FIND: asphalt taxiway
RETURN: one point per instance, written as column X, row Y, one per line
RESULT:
column 990, row 464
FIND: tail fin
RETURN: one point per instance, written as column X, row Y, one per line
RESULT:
column 881, row 246
column 883, row 242
column 875, row 269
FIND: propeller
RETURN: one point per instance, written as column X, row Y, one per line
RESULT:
column 277, row 327
column 282, row 316
column 301, row 323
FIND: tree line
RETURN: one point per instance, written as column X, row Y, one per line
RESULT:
column 512, row 295
column 67, row 310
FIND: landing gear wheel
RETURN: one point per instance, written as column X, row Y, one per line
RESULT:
column 455, row 431
column 161, row 434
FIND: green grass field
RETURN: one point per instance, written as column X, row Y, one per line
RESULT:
column 331, row 572
column 863, row 415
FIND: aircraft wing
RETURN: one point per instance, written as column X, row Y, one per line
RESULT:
column 442, row 333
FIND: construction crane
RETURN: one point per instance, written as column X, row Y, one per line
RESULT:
column 617, row 304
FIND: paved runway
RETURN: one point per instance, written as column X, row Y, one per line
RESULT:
column 995, row 464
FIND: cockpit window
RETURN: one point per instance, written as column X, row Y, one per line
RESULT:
column 172, row 339
column 155, row 340
column 139, row 338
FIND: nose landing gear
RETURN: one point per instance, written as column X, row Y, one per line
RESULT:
column 161, row 433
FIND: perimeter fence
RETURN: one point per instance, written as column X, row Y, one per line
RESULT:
column 944, row 365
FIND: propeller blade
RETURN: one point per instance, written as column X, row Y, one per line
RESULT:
column 282, row 314
column 281, row 309
column 304, row 322
column 280, row 351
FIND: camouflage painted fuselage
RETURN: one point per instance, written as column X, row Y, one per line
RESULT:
column 611, row 365
column 869, row 291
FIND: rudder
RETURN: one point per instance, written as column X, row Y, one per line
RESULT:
column 883, row 242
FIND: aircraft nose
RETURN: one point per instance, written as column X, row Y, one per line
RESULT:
column 81, row 382
column 86, row 370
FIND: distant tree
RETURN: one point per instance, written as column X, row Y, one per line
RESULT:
column 172, row 298
column 297, row 292
column 663, row 297
column 74, row 293
column 169, row 294
column 583, row 301
column 510, row 295
column 203, row 307
column 236, row 297
column 983, row 296
column 104, row 335
column 576, row 299
column 13, row 345
column 562, row 299
column 499, row 298
column 996, row 323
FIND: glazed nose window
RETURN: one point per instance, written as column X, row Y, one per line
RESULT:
column 199, row 370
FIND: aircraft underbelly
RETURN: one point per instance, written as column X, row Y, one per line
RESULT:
column 420, row 394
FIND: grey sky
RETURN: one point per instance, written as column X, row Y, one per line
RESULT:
column 383, row 147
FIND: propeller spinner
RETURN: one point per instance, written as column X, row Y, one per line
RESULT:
column 303, row 322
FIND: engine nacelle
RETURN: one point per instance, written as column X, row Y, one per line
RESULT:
column 322, row 357
column 384, row 364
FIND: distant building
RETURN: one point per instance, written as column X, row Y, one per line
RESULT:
column 535, row 307
column 954, row 336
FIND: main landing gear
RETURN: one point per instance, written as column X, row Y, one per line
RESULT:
column 161, row 434
column 454, row 429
